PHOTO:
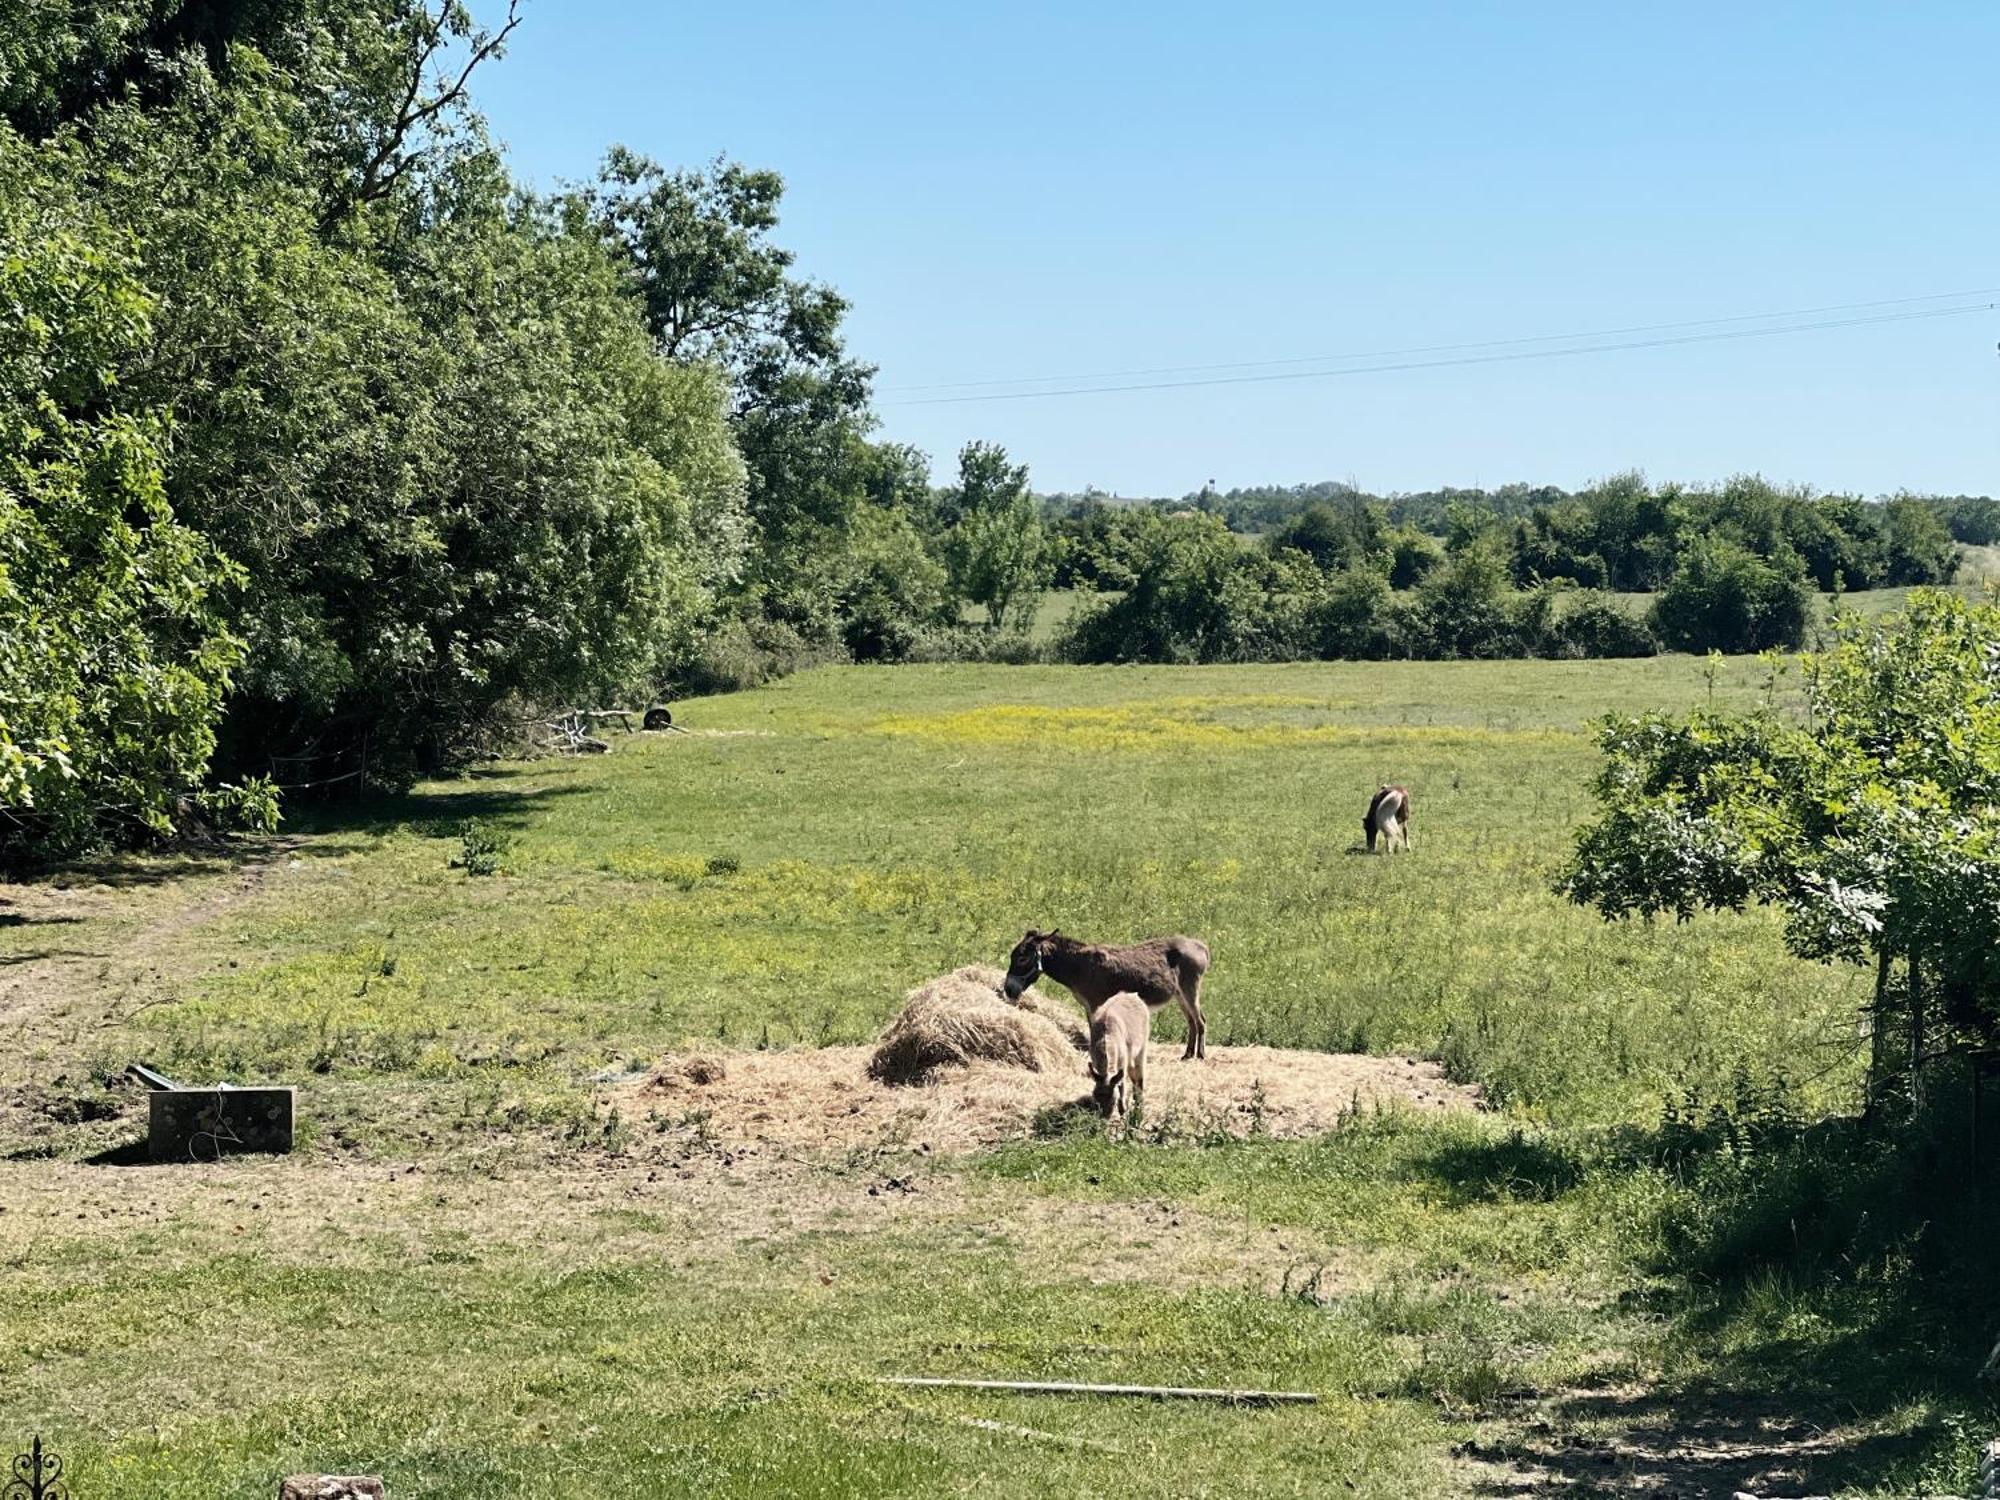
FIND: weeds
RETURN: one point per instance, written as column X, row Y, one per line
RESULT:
column 481, row 847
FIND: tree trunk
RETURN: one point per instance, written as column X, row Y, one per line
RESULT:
column 1916, row 988
column 1878, row 1039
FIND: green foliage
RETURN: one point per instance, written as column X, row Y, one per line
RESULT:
column 893, row 590
column 1334, row 538
column 480, row 847
column 1723, row 597
column 993, row 542
column 113, row 654
column 1920, row 549
column 434, row 434
column 1462, row 608
column 1096, row 545
column 1871, row 827
column 1198, row 597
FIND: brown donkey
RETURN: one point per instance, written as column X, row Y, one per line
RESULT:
column 1160, row 971
column 1118, row 1053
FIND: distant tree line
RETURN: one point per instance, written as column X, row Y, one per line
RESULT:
column 1538, row 573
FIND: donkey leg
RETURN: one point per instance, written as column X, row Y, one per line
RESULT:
column 1197, row 1028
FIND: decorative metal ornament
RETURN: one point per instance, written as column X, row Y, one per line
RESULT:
column 36, row 1475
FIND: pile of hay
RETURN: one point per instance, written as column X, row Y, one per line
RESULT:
column 964, row 1017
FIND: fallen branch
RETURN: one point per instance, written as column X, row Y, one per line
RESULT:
column 1064, row 1388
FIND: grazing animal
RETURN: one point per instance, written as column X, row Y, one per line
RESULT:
column 1388, row 816
column 1118, row 1053
column 1160, row 971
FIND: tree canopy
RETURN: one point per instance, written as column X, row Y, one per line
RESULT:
column 1873, row 825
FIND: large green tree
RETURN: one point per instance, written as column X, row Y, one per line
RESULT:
column 113, row 654
column 1873, row 825
column 417, row 408
column 703, row 263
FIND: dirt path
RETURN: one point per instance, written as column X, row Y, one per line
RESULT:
column 82, row 954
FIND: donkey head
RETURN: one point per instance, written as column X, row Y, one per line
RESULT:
column 1024, row 965
column 1104, row 1088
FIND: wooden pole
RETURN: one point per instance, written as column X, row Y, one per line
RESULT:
column 1065, row 1388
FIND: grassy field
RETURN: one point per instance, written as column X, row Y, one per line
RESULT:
column 1053, row 608
column 480, row 1280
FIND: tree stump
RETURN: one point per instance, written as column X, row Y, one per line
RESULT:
column 332, row 1487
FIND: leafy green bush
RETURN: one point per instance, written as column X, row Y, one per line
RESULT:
column 113, row 654
column 1592, row 625
column 480, row 847
column 1723, row 597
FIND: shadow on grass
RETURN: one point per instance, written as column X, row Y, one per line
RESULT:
column 131, row 1154
column 1520, row 1165
column 437, row 811
column 309, row 832
column 1693, row 1440
column 1832, row 1289
column 1073, row 1118
column 43, row 955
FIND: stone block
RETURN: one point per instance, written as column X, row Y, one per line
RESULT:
column 194, row 1124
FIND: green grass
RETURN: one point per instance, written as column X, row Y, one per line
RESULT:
column 1053, row 609
column 469, row 1280
column 889, row 825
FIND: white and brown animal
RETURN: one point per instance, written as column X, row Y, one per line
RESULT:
column 1160, row 971
column 1388, row 818
column 1118, row 1032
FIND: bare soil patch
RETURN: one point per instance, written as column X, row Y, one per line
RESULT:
column 823, row 1099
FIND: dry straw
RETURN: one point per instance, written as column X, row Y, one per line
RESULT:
column 964, row 1017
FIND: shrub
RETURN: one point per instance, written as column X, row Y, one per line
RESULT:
column 1723, row 597
column 114, row 656
column 1593, row 626
column 480, row 847
column 1356, row 618
column 740, row 654
column 1462, row 610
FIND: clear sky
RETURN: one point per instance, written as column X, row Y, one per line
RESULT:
column 1033, row 189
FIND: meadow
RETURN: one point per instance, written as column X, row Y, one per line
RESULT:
column 478, row 1278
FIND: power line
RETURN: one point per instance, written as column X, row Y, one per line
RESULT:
column 1484, row 359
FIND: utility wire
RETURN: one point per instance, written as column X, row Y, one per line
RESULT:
column 1484, row 359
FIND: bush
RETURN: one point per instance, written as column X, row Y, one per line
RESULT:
column 1462, row 610
column 1593, row 626
column 1356, row 618
column 480, row 846
column 740, row 654
column 1723, row 597
column 972, row 643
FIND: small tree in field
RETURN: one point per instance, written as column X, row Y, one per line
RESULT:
column 995, row 547
column 1874, row 826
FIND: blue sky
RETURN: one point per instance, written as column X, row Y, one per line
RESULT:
column 1037, row 189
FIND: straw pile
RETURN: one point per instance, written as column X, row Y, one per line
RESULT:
column 964, row 1017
